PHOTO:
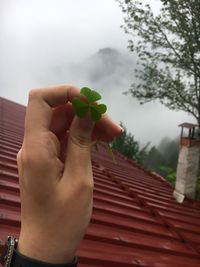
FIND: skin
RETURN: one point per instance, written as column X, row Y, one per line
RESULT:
column 55, row 174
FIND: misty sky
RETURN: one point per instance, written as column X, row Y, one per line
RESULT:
column 45, row 42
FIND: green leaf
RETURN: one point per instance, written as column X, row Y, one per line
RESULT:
column 77, row 103
column 101, row 108
column 91, row 95
column 80, row 108
column 82, row 112
column 85, row 91
column 95, row 114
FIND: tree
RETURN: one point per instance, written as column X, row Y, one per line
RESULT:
column 169, row 174
column 126, row 144
column 169, row 148
column 168, row 49
column 163, row 158
column 154, row 160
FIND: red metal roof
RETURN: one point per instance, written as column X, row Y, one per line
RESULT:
column 135, row 221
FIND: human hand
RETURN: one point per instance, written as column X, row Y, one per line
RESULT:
column 55, row 174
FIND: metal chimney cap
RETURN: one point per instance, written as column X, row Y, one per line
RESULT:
column 188, row 125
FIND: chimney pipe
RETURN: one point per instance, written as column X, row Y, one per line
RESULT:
column 188, row 164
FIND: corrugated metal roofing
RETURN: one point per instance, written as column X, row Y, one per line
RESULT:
column 135, row 221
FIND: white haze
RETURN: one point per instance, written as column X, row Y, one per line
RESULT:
column 45, row 42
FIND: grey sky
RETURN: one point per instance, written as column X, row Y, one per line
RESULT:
column 40, row 37
column 36, row 34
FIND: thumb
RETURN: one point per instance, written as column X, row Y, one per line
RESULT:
column 78, row 161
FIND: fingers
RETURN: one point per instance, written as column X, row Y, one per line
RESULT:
column 49, row 109
column 57, row 95
column 78, row 163
column 61, row 120
column 106, row 130
column 40, row 104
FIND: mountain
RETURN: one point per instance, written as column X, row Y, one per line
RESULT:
column 111, row 72
column 110, row 68
column 106, row 70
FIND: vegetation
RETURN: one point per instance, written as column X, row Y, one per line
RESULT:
column 168, row 50
column 165, row 154
column 161, row 159
column 152, row 158
column 170, row 175
column 168, row 70
column 87, row 104
column 128, row 146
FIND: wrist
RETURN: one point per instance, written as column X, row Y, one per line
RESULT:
column 45, row 250
column 11, row 257
column 20, row 260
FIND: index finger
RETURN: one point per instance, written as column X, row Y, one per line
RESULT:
column 39, row 111
column 40, row 104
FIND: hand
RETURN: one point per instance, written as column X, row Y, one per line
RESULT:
column 55, row 174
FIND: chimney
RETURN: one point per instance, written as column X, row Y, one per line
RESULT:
column 188, row 163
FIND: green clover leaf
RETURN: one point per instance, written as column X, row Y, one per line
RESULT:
column 91, row 95
column 81, row 108
column 97, row 110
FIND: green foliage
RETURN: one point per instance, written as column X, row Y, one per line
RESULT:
column 169, row 148
column 168, row 50
column 163, row 160
column 126, row 144
column 170, row 174
column 83, row 106
column 165, row 154
column 91, row 95
column 154, row 160
column 198, row 188
column 198, row 185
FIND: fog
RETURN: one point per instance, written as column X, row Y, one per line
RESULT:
column 45, row 42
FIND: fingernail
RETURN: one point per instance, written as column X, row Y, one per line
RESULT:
column 122, row 129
